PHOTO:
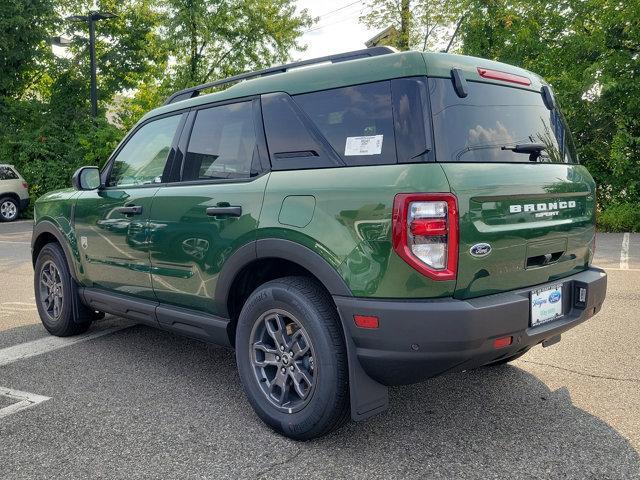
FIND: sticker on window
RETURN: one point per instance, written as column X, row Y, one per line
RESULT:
column 370, row 145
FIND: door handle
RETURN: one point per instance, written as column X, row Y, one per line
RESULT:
column 224, row 211
column 130, row 210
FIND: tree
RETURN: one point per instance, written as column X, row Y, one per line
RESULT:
column 130, row 48
column 419, row 24
column 218, row 38
column 25, row 28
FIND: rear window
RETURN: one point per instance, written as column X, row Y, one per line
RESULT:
column 357, row 121
column 496, row 124
column 7, row 174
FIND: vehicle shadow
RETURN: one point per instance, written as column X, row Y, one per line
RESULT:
column 178, row 406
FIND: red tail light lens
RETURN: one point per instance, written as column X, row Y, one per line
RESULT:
column 364, row 321
column 502, row 342
column 424, row 227
column 25, row 185
column 504, row 76
column 425, row 233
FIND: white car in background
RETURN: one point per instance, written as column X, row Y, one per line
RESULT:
column 14, row 193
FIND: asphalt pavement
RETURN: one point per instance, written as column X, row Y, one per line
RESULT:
column 129, row 401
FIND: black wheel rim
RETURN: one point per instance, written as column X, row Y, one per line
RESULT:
column 282, row 357
column 8, row 210
column 51, row 290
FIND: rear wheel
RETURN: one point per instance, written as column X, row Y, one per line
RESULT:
column 9, row 209
column 292, row 358
column 61, row 311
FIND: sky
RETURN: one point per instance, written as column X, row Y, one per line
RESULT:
column 337, row 30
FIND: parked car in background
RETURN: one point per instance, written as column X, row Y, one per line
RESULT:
column 14, row 193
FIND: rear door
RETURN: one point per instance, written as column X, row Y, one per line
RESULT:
column 526, row 207
column 111, row 222
column 198, row 222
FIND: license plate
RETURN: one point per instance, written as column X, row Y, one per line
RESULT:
column 546, row 305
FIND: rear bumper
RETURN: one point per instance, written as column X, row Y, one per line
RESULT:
column 418, row 339
column 24, row 203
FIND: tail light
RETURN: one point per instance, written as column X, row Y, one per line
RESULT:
column 425, row 233
column 25, row 185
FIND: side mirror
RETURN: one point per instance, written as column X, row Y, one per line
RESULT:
column 86, row 178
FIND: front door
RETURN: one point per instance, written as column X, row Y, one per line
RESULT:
column 111, row 223
column 197, row 223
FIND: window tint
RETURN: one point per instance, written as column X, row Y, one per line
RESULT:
column 410, row 114
column 491, row 121
column 143, row 158
column 7, row 174
column 294, row 142
column 357, row 121
column 222, row 143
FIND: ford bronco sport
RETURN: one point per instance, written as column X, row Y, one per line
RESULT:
column 373, row 219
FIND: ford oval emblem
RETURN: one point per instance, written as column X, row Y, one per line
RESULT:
column 555, row 297
column 480, row 250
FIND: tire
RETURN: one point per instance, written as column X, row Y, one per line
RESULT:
column 62, row 313
column 507, row 360
column 9, row 209
column 301, row 314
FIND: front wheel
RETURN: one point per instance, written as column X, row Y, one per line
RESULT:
column 59, row 307
column 292, row 358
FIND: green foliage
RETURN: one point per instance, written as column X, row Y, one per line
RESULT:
column 48, row 142
column 24, row 37
column 620, row 217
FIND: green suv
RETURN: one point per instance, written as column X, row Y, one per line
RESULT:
column 373, row 219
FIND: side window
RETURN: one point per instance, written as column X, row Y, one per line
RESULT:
column 411, row 118
column 295, row 143
column 357, row 121
column 222, row 143
column 143, row 158
column 7, row 174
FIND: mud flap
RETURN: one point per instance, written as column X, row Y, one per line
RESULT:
column 368, row 397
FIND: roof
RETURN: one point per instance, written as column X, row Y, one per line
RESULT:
column 354, row 72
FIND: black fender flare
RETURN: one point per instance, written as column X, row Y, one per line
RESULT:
column 46, row 226
column 277, row 248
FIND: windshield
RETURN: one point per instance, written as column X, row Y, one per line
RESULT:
column 496, row 123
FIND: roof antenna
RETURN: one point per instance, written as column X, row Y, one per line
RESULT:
column 455, row 32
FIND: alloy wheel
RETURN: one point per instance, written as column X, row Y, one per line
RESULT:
column 282, row 357
column 51, row 290
column 8, row 210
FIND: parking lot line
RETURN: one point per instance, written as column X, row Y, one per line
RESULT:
column 23, row 400
column 624, row 252
column 38, row 347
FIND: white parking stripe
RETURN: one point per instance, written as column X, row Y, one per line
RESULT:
column 38, row 347
column 23, row 400
column 624, row 253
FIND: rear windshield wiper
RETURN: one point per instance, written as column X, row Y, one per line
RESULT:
column 533, row 149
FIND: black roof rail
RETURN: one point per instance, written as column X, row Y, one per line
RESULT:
column 192, row 92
